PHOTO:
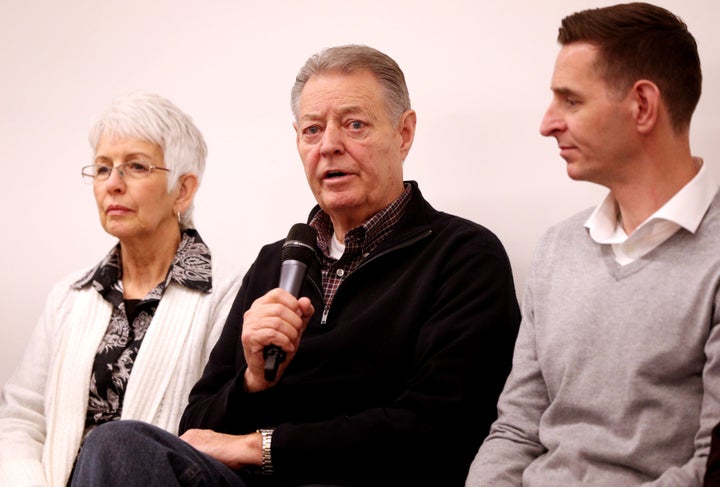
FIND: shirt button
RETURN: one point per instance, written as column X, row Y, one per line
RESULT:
column 340, row 273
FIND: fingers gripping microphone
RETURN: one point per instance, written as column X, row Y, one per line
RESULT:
column 297, row 253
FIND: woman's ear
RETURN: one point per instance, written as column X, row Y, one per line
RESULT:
column 187, row 187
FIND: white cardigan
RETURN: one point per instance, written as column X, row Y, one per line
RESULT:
column 43, row 405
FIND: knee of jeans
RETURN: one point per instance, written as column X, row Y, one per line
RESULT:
column 111, row 431
column 97, row 437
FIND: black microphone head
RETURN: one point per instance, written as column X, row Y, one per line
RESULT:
column 300, row 243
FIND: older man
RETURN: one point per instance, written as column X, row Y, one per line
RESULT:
column 397, row 349
column 616, row 378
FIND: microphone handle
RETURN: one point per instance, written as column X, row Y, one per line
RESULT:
column 273, row 356
column 292, row 273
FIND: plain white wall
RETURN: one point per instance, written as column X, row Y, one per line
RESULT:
column 478, row 74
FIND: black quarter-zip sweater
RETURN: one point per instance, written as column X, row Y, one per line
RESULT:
column 399, row 386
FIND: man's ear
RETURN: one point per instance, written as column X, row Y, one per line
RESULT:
column 646, row 106
column 406, row 127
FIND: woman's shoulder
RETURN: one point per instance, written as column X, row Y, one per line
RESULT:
column 71, row 280
column 226, row 275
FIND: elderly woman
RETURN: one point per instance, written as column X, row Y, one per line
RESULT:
column 128, row 338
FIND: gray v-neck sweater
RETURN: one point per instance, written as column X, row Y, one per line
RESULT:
column 616, row 372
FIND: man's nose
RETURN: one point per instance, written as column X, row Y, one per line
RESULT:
column 552, row 122
column 332, row 140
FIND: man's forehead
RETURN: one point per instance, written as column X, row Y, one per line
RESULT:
column 361, row 80
column 576, row 64
column 340, row 94
column 576, row 56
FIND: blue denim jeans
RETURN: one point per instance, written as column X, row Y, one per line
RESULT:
column 135, row 454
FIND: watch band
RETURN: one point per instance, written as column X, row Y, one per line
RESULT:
column 267, row 466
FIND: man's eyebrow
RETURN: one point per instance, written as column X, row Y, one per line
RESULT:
column 349, row 109
column 564, row 91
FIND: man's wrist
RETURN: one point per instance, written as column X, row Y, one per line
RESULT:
column 266, row 465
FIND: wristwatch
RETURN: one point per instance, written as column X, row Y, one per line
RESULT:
column 267, row 466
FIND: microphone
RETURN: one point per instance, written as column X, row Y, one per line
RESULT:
column 298, row 251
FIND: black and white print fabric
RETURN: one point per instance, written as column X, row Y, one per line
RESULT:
column 191, row 267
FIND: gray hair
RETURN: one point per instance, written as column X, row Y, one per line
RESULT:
column 154, row 119
column 351, row 58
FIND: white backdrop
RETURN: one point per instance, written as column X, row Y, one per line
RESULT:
column 478, row 74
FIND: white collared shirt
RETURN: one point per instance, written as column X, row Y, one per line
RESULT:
column 684, row 210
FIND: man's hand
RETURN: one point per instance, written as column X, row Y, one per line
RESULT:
column 277, row 318
column 235, row 451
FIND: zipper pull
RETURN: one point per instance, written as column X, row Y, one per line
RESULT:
column 325, row 313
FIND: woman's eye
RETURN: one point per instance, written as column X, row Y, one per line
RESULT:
column 138, row 167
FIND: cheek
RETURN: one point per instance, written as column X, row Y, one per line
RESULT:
column 99, row 195
column 160, row 199
column 309, row 157
column 365, row 155
column 595, row 125
column 375, row 159
column 582, row 128
column 151, row 199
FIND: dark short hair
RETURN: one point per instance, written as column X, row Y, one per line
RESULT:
column 642, row 41
column 354, row 57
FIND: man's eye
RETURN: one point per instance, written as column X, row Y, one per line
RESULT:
column 312, row 130
column 356, row 125
column 103, row 170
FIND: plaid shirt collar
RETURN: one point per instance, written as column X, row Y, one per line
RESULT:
column 362, row 240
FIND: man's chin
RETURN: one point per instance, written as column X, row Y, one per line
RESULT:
column 574, row 172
